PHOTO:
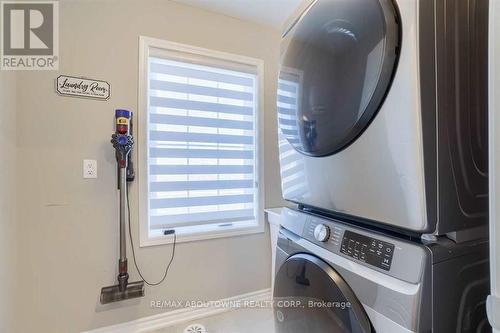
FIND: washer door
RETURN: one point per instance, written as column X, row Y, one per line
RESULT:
column 310, row 296
column 337, row 64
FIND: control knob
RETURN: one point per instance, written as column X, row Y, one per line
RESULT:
column 321, row 233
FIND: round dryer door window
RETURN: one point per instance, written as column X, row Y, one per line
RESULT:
column 310, row 296
column 337, row 64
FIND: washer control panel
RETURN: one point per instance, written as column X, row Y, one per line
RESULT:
column 366, row 249
column 362, row 246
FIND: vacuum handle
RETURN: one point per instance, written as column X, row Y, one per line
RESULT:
column 122, row 139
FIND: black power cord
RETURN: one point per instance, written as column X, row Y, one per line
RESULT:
column 167, row 232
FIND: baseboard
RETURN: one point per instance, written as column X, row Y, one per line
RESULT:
column 159, row 321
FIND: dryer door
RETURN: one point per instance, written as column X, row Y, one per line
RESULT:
column 310, row 296
column 337, row 64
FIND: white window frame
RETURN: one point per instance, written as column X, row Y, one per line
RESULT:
column 146, row 44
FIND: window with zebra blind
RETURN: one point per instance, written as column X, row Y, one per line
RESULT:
column 199, row 143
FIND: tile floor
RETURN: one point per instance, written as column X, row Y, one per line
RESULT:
column 235, row 321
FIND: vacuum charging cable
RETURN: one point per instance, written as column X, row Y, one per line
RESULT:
column 166, row 232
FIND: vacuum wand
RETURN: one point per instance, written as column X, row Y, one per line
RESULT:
column 122, row 264
column 123, row 215
column 123, row 142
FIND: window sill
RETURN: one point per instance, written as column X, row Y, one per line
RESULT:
column 202, row 233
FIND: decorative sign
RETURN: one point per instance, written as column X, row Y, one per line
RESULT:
column 82, row 87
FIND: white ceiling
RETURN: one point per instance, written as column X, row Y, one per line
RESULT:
column 272, row 13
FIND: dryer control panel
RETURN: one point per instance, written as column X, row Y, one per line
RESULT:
column 366, row 249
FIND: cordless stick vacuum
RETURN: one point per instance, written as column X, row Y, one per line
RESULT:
column 123, row 141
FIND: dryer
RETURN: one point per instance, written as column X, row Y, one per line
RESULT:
column 382, row 110
column 334, row 277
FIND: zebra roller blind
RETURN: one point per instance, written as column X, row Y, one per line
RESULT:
column 201, row 142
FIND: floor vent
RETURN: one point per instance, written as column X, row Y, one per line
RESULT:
column 195, row 328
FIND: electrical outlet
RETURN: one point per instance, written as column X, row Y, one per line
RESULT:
column 89, row 169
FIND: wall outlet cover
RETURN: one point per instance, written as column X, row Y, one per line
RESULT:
column 89, row 169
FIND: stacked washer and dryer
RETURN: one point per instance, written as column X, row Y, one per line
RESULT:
column 382, row 110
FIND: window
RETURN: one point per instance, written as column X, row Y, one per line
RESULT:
column 199, row 143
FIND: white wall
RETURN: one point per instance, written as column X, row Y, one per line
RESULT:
column 68, row 240
column 7, row 200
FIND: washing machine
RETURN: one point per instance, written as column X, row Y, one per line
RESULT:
column 382, row 111
column 334, row 277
